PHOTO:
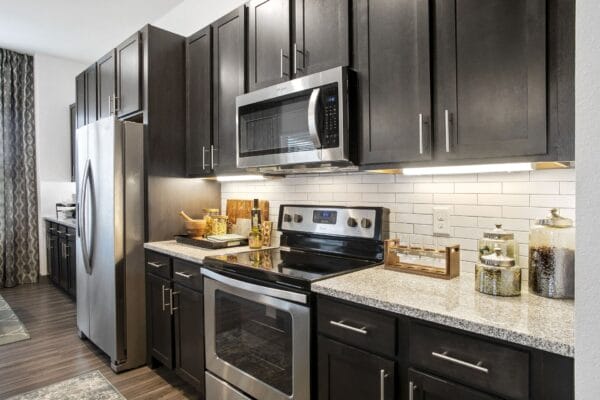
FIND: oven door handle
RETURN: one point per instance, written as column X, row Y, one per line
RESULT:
column 250, row 287
column 313, row 129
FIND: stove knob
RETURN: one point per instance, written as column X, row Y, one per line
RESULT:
column 287, row 218
column 365, row 223
column 352, row 223
column 297, row 218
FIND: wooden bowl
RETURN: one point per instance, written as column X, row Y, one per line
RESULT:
column 196, row 227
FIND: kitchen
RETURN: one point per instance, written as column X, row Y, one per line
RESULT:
column 417, row 205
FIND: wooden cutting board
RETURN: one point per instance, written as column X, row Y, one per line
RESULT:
column 243, row 209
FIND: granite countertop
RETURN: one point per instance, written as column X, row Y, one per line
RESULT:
column 189, row 252
column 70, row 222
column 529, row 320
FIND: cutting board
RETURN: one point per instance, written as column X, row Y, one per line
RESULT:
column 243, row 209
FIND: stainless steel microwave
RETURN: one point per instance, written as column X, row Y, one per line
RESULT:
column 299, row 123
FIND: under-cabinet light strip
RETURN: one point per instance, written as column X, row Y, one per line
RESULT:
column 469, row 169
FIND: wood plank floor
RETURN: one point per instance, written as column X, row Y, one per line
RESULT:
column 55, row 352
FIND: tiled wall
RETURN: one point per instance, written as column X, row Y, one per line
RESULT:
column 476, row 201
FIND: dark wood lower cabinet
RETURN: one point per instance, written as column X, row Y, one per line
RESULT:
column 427, row 387
column 60, row 257
column 189, row 335
column 347, row 373
column 175, row 317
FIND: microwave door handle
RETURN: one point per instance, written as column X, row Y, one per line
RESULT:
column 313, row 130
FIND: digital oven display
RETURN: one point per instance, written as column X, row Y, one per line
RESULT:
column 324, row 217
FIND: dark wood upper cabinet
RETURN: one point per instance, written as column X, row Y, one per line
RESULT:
column 322, row 32
column 490, row 78
column 228, row 82
column 107, row 70
column 347, row 373
column 73, row 136
column 129, row 99
column 392, row 49
column 80, row 99
column 199, row 104
column 91, row 109
column 268, row 42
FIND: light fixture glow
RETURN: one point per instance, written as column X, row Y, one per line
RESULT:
column 240, row 178
column 469, row 169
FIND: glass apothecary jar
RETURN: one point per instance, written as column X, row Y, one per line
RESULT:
column 552, row 257
column 498, row 275
column 498, row 237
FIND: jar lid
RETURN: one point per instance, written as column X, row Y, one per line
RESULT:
column 498, row 234
column 497, row 259
column 555, row 220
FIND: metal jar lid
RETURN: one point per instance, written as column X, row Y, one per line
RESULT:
column 498, row 234
column 497, row 259
column 554, row 220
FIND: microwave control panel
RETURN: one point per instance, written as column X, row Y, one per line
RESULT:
column 329, row 100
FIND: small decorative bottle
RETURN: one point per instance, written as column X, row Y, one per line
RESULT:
column 255, row 239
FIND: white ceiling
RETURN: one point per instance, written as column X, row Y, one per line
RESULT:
column 82, row 30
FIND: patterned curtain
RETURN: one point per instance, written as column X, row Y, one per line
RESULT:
column 19, row 252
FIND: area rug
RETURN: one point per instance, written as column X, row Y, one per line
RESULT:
column 89, row 386
column 11, row 329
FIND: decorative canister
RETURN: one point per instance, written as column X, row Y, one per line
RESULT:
column 498, row 275
column 552, row 257
column 498, row 237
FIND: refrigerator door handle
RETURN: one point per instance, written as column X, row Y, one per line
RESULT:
column 83, row 220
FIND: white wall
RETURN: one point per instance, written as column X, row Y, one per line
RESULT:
column 587, row 123
column 193, row 15
column 54, row 90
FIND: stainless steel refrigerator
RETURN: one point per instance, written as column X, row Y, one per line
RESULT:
column 110, row 237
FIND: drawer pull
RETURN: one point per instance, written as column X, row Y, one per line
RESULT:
column 411, row 390
column 156, row 264
column 183, row 274
column 445, row 356
column 382, row 376
column 341, row 324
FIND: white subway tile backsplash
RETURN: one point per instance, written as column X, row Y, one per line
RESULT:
column 476, row 201
column 491, row 187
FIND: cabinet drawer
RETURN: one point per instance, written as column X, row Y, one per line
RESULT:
column 362, row 328
column 475, row 362
column 187, row 274
column 158, row 264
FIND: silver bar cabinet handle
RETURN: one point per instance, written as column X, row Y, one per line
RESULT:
column 171, row 296
column 447, row 125
column 382, row 376
column 341, row 324
column 446, row 357
column 155, row 264
column 212, row 156
column 203, row 158
column 110, row 109
column 411, row 390
column 281, row 63
column 163, row 297
column 183, row 274
column 295, row 58
column 420, row 133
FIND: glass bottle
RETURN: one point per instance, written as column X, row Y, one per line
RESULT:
column 498, row 275
column 255, row 239
column 498, row 237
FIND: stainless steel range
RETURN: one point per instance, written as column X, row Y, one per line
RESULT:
column 257, row 304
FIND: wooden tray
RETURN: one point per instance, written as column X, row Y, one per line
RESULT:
column 209, row 244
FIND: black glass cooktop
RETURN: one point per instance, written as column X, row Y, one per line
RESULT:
column 293, row 267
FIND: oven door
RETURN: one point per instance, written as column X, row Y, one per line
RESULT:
column 257, row 338
column 303, row 121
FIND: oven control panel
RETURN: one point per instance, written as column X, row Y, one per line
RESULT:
column 359, row 222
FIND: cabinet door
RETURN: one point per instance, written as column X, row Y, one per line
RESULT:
column 80, row 99
column 199, row 105
column 228, row 83
column 490, row 78
column 70, row 262
column 392, row 54
column 51, row 245
column 268, row 42
column 346, row 373
column 55, row 257
column 322, row 36
column 73, row 129
column 63, row 262
column 189, row 335
column 106, row 84
column 159, row 319
column 427, row 387
column 91, row 110
column 129, row 99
